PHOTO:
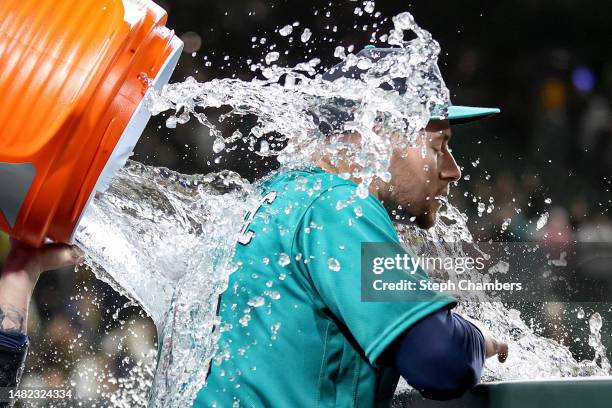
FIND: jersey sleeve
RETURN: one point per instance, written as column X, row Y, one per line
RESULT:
column 13, row 352
column 328, row 240
column 442, row 356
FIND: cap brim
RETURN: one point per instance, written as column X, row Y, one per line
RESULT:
column 464, row 114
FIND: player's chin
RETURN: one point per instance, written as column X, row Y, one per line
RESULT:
column 428, row 219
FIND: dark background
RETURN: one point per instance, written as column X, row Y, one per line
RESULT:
column 546, row 64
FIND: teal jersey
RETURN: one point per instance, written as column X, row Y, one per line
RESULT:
column 294, row 331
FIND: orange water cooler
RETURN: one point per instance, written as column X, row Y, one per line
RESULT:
column 73, row 74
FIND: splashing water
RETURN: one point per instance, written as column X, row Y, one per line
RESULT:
column 530, row 355
column 167, row 240
column 292, row 101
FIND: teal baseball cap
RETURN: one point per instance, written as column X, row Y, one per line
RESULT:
column 456, row 114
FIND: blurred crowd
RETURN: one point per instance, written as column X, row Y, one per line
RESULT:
column 542, row 170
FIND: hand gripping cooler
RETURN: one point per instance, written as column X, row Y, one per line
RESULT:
column 73, row 74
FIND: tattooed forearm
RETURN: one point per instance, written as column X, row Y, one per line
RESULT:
column 12, row 319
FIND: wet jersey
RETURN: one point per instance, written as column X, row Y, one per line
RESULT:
column 294, row 330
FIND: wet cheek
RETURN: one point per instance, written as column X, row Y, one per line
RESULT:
column 430, row 169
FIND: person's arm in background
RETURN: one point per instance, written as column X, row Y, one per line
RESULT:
column 18, row 278
column 442, row 356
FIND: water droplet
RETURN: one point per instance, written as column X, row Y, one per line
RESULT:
column 245, row 319
column 272, row 294
column 595, row 323
column 481, row 208
column 505, row 224
column 306, row 35
column 580, row 313
column 256, row 301
column 218, row 145
column 339, row 52
column 364, row 64
column 286, row 30
column 271, row 57
column 404, row 21
column 362, row 191
column 274, row 329
column 284, row 260
column 333, row 264
column 542, row 221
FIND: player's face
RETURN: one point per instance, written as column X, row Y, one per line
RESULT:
column 420, row 177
